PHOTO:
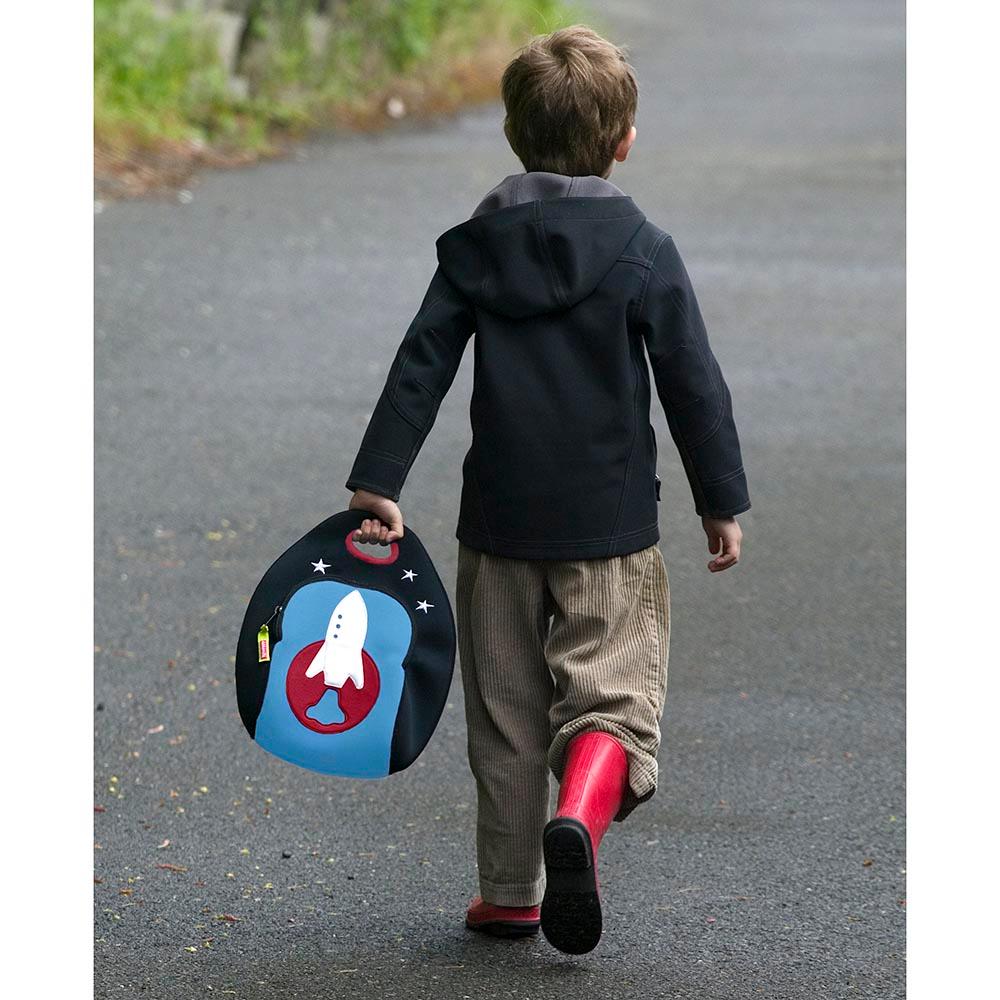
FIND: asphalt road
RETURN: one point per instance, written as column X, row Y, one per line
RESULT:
column 241, row 341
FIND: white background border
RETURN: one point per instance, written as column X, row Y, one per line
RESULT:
column 954, row 485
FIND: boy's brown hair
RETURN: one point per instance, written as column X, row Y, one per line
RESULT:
column 570, row 97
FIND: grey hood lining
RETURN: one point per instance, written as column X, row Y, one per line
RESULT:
column 539, row 185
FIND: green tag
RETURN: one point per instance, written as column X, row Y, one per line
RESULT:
column 263, row 644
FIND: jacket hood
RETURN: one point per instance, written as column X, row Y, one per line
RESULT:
column 538, row 243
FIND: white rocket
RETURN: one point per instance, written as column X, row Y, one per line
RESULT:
column 340, row 655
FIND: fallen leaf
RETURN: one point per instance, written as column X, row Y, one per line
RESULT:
column 172, row 868
column 155, row 729
column 868, row 862
column 99, row 809
column 166, row 843
column 229, row 918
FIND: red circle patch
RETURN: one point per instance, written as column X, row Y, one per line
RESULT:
column 304, row 693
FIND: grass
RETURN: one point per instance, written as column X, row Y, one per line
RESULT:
column 163, row 100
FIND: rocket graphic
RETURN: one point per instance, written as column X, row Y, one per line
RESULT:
column 340, row 655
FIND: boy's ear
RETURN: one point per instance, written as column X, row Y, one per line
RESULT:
column 622, row 149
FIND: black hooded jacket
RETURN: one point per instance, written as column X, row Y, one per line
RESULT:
column 567, row 287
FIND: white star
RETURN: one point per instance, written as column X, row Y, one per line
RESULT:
column 408, row 574
column 423, row 606
column 320, row 567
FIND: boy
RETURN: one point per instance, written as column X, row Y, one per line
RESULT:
column 562, row 595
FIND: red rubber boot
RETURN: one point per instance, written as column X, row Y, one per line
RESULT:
column 590, row 795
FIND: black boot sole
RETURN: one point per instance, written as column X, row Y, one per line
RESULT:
column 571, row 909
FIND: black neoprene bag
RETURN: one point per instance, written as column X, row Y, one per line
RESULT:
column 345, row 659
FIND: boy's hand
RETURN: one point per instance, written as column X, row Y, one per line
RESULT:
column 387, row 524
column 724, row 539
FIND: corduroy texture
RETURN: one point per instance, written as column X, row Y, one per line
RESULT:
column 549, row 649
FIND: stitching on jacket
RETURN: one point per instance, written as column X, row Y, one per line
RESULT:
column 383, row 454
column 482, row 506
column 430, row 305
column 719, row 480
column 683, row 406
column 482, row 261
column 552, row 544
column 402, row 414
column 684, row 446
column 404, row 347
column 689, row 467
column 713, row 430
column 714, row 372
column 631, row 447
column 728, row 512
column 397, row 404
column 598, row 218
column 549, row 263
column 421, row 435
column 654, row 250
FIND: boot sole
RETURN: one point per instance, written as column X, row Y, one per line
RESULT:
column 504, row 928
column 571, row 909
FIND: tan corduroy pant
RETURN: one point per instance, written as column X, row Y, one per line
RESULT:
column 549, row 649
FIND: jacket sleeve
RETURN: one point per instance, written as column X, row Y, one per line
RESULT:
column 690, row 385
column 420, row 375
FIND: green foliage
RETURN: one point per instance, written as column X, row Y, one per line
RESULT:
column 155, row 76
column 158, row 75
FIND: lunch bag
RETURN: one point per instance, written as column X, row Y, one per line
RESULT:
column 345, row 659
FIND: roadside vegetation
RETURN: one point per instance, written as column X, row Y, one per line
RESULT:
column 182, row 83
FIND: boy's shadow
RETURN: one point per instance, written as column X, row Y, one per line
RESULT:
column 454, row 963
